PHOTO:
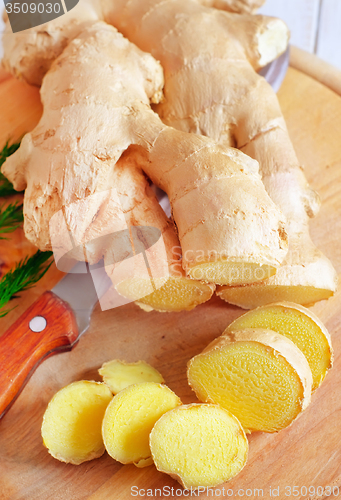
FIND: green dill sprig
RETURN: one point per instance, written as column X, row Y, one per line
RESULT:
column 11, row 218
column 6, row 188
column 25, row 275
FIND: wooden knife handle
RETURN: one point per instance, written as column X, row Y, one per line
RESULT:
column 47, row 327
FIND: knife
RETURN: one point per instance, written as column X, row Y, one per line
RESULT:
column 52, row 324
column 274, row 73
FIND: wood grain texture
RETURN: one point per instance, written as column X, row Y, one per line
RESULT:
column 22, row 350
column 306, row 454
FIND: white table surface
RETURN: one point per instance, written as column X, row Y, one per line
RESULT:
column 315, row 25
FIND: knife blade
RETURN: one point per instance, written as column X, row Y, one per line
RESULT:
column 274, row 73
column 52, row 324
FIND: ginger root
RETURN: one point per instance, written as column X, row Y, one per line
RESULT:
column 258, row 375
column 232, row 234
column 130, row 418
column 199, row 445
column 72, row 422
column 118, row 375
column 235, row 106
column 299, row 325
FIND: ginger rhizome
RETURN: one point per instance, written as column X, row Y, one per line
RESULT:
column 130, row 417
column 118, row 375
column 258, row 375
column 231, row 104
column 299, row 325
column 235, row 106
column 72, row 423
column 89, row 136
column 199, row 445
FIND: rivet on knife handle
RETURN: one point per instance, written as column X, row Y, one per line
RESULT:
column 47, row 327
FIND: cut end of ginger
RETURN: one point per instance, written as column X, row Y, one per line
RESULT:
column 251, row 296
column 118, row 375
column 199, row 445
column 130, row 418
column 258, row 375
column 298, row 324
column 72, row 422
column 272, row 41
column 177, row 294
column 231, row 273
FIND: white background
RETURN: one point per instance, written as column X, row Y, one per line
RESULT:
column 315, row 25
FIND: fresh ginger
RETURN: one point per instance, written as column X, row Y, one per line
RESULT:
column 130, row 418
column 232, row 105
column 72, row 422
column 235, row 106
column 225, row 237
column 297, row 324
column 118, row 375
column 258, row 375
column 199, row 445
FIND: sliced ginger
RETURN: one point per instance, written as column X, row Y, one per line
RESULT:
column 255, row 295
column 199, row 445
column 118, row 375
column 71, row 428
column 177, row 294
column 130, row 418
column 259, row 375
column 298, row 324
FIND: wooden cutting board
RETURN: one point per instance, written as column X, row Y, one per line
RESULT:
column 308, row 454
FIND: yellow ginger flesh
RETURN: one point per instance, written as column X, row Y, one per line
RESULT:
column 256, row 295
column 71, row 428
column 130, row 418
column 298, row 324
column 118, row 375
column 177, row 294
column 258, row 375
column 199, row 445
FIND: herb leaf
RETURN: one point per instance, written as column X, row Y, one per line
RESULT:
column 6, row 188
column 10, row 218
column 25, row 275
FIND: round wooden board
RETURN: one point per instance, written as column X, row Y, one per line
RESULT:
column 307, row 454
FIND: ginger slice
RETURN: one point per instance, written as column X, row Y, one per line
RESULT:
column 259, row 375
column 199, row 445
column 130, row 418
column 258, row 294
column 71, row 428
column 118, row 375
column 177, row 294
column 299, row 325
